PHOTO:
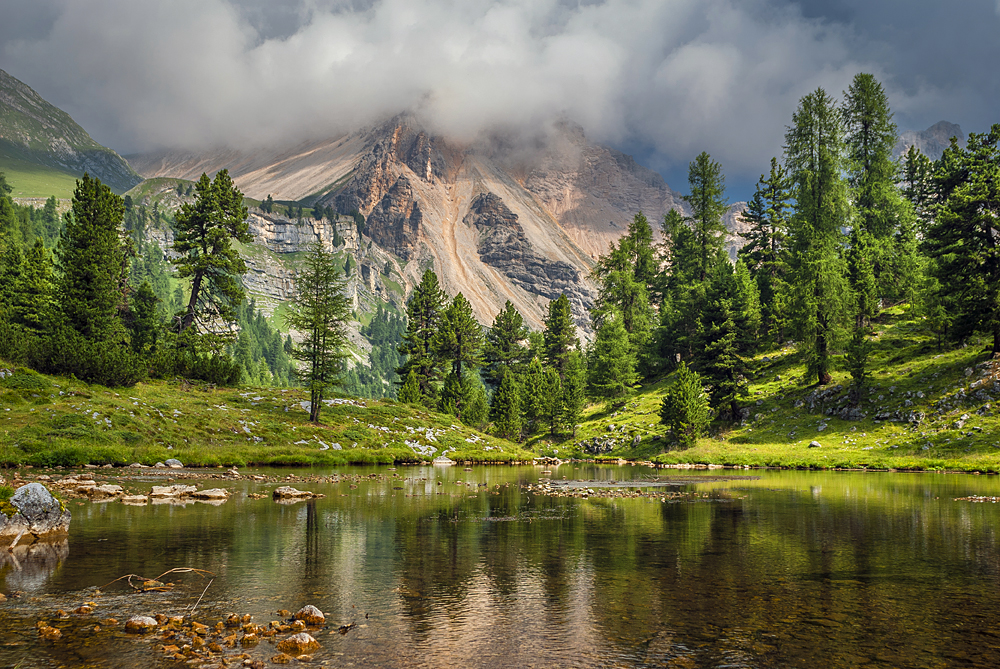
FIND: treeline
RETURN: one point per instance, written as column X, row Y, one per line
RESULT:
column 839, row 231
column 537, row 379
column 97, row 309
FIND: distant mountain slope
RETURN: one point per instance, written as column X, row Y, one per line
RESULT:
column 499, row 218
column 35, row 133
column 931, row 142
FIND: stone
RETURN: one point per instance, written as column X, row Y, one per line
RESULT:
column 211, row 494
column 288, row 492
column 139, row 624
column 281, row 658
column 311, row 615
column 160, row 465
column 174, row 463
column 814, row 444
column 33, row 510
column 178, row 490
column 298, row 644
column 105, row 491
column 135, row 500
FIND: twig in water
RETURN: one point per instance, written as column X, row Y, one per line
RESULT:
column 191, row 613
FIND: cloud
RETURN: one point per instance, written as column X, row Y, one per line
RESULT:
column 676, row 76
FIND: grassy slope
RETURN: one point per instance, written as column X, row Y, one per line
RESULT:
column 33, row 180
column 63, row 422
column 778, row 433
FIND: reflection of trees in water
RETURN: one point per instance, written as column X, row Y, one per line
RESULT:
column 28, row 567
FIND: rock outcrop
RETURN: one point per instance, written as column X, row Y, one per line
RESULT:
column 33, row 511
column 931, row 142
column 394, row 222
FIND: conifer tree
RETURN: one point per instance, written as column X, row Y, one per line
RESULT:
column 143, row 320
column 962, row 241
column 505, row 409
column 320, row 312
column 560, row 334
column 707, row 200
column 409, row 391
column 685, row 408
column 503, row 351
column 204, row 240
column 32, row 289
column 918, row 184
column 91, row 261
column 532, row 387
column 459, row 338
column 574, row 388
column 612, row 362
column 550, row 400
column 423, row 314
column 818, row 287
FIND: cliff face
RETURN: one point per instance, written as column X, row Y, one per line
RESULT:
column 931, row 142
column 497, row 219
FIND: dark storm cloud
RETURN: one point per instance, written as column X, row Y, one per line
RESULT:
column 668, row 77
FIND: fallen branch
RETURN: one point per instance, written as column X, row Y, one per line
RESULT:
column 155, row 584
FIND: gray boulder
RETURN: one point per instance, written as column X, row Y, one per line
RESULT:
column 173, row 463
column 33, row 510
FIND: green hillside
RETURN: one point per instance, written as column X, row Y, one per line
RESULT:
column 41, row 147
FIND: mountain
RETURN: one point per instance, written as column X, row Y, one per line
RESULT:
column 35, row 134
column 931, row 142
column 498, row 218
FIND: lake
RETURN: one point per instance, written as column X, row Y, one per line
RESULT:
column 440, row 567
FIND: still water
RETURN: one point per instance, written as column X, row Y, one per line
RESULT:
column 440, row 567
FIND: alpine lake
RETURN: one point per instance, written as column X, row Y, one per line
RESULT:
column 575, row 565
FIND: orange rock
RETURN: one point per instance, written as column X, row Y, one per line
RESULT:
column 281, row 658
column 250, row 640
column 171, row 649
column 140, row 624
column 83, row 610
column 298, row 644
column 311, row 615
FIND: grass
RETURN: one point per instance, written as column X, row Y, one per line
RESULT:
column 913, row 414
column 33, row 180
column 55, row 421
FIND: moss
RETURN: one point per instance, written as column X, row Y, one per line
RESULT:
column 6, row 508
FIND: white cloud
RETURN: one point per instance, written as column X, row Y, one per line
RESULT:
column 679, row 76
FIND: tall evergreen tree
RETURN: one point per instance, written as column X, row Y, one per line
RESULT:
column 707, row 200
column 963, row 240
column 204, row 240
column 819, row 291
column 459, row 341
column 423, row 314
column 560, row 334
column 612, row 362
column 320, row 312
column 91, row 261
column 574, row 389
column 918, row 184
column 503, row 351
column 505, row 409
column 685, row 408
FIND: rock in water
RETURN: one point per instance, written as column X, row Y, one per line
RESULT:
column 140, row 624
column 173, row 463
column 33, row 510
column 297, row 644
column 311, row 615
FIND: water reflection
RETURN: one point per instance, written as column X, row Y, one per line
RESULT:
column 27, row 567
column 792, row 570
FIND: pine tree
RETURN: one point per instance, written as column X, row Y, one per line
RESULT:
column 32, row 290
column 858, row 354
column 560, row 334
column 819, row 292
column 708, row 204
column 532, row 387
column 505, row 409
column 204, row 240
column 918, row 184
column 962, row 241
column 882, row 213
column 143, row 320
column 685, row 408
column 320, row 312
column 409, row 391
column 612, row 362
column 503, row 351
column 423, row 313
column 625, row 277
column 550, row 400
column 574, row 388
column 91, row 261
column 459, row 338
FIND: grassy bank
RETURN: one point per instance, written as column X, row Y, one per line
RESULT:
column 54, row 421
column 911, row 416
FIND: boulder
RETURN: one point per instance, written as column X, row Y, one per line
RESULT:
column 33, row 510
column 311, row 615
column 105, row 491
column 211, row 495
column 288, row 492
column 178, row 490
column 814, row 444
column 173, row 463
column 138, row 624
column 298, row 644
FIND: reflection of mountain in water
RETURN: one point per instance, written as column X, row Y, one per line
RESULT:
column 27, row 568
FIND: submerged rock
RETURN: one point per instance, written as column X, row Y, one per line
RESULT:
column 179, row 490
column 33, row 510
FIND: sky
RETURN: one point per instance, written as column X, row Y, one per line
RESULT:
column 660, row 79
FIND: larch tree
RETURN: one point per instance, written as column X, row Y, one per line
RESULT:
column 707, row 200
column 459, row 341
column 423, row 316
column 206, row 230
column 819, row 290
column 503, row 351
column 320, row 312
